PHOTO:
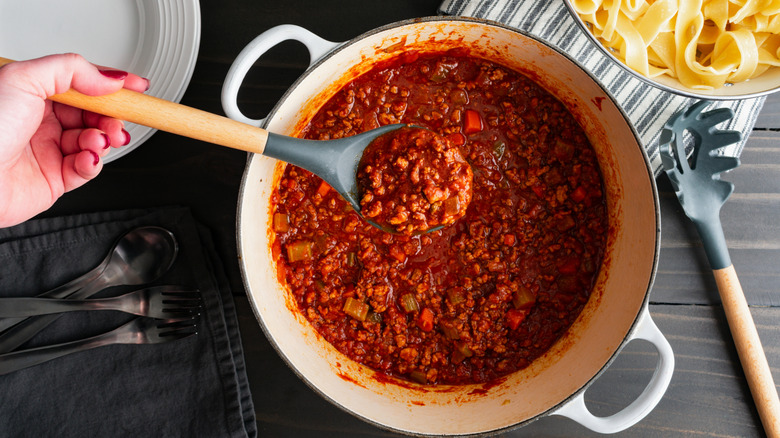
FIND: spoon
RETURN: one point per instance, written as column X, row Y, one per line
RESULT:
column 701, row 193
column 335, row 161
column 140, row 256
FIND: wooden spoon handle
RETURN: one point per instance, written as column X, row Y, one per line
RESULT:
column 168, row 116
column 749, row 348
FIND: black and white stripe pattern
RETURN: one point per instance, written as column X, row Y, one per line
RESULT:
column 647, row 107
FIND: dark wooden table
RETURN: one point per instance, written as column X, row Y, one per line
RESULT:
column 708, row 394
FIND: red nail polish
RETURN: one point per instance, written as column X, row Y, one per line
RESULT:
column 95, row 158
column 114, row 74
column 107, row 139
column 148, row 84
column 127, row 137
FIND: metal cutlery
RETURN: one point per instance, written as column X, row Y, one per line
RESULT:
column 155, row 302
column 140, row 330
column 701, row 193
column 140, row 256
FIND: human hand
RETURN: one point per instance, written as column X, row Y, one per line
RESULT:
column 46, row 148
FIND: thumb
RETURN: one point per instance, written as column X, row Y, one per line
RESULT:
column 56, row 74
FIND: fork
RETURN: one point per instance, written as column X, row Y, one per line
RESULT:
column 155, row 302
column 138, row 331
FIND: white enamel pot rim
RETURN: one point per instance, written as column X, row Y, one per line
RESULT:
column 555, row 383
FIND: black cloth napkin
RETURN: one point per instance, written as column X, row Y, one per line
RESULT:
column 646, row 106
column 194, row 387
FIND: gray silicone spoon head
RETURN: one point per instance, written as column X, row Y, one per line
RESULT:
column 335, row 161
column 696, row 181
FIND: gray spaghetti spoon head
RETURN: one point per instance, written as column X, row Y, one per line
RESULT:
column 701, row 193
column 696, row 180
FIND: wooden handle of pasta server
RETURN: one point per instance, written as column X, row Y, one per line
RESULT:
column 751, row 353
column 168, row 116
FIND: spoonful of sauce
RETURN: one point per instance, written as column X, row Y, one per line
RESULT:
column 413, row 181
column 335, row 161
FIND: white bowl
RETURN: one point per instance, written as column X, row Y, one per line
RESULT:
column 766, row 83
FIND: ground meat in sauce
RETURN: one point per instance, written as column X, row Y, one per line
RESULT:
column 412, row 180
column 485, row 296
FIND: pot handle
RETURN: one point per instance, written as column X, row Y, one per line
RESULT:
column 576, row 410
column 316, row 46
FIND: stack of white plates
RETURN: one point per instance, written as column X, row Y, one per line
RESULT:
column 158, row 40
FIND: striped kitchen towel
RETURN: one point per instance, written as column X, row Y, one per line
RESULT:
column 647, row 107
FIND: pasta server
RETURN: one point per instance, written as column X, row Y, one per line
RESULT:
column 701, row 193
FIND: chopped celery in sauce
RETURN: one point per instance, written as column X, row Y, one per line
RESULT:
column 418, row 376
column 409, row 303
column 456, row 296
column 523, row 298
column 374, row 317
column 356, row 309
column 300, row 250
column 281, row 223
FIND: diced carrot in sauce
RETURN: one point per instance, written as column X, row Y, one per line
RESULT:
column 452, row 205
column 397, row 253
column 456, row 139
column 323, row 189
column 425, row 320
column 569, row 266
column 472, row 122
column 578, row 194
column 509, row 239
column 514, row 317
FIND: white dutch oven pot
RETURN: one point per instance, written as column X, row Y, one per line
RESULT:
column 555, row 383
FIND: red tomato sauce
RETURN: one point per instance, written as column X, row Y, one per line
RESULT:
column 485, row 296
column 412, row 180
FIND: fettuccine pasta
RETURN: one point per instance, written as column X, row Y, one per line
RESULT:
column 705, row 44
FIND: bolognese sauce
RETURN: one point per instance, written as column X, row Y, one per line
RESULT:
column 413, row 180
column 478, row 299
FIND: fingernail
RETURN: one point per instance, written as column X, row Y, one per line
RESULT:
column 114, row 74
column 127, row 137
column 95, row 158
column 148, row 84
column 107, row 140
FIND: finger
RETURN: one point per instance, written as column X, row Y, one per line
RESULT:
column 91, row 139
column 132, row 81
column 56, row 74
column 72, row 118
column 114, row 128
column 77, row 169
column 137, row 83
